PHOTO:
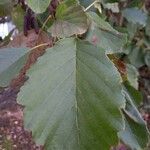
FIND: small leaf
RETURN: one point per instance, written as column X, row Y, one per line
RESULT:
column 132, row 29
column 102, row 34
column 136, row 57
column 135, row 134
column 5, row 7
column 101, row 23
column 76, row 100
column 17, row 15
column 11, row 61
column 135, row 15
column 134, row 94
column 147, row 58
column 147, row 29
column 38, row 6
column 132, row 75
column 70, row 20
column 4, row 2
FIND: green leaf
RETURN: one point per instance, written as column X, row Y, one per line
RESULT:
column 11, row 61
column 73, row 98
column 86, row 3
column 135, row 15
column 136, row 3
column 147, row 58
column 38, row 6
column 17, row 15
column 5, row 7
column 101, row 23
column 135, row 134
column 132, row 29
column 103, row 35
column 70, row 20
column 136, row 57
column 132, row 75
column 4, row 2
column 147, row 28
column 134, row 94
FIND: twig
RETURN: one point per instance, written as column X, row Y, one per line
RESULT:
column 87, row 8
column 40, row 45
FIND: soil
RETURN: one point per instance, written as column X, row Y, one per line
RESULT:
column 13, row 136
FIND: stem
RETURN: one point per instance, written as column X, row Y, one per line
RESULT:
column 40, row 45
column 43, row 26
column 87, row 8
column 46, row 21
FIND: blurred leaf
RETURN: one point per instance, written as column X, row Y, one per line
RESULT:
column 114, row 7
column 135, row 134
column 110, row 1
column 5, row 2
column 127, row 48
column 103, row 35
column 132, row 75
column 147, row 58
column 11, row 61
column 38, row 6
column 135, row 15
column 136, row 57
column 136, row 3
column 101, row 23
column 132, row 29
column 42, row 18
column 70, row 20
column 18, row 17
column 5, row 7
column 134, row 93
column 147, row 29
column 77, row 105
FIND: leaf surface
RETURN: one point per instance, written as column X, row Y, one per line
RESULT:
column 135, row 134
column 70, row 20
column 38, row 6
column 11, row 61
column 5, row 7
column 102, row 34
column 17, row 15
column 135, row 15
column 73, row 98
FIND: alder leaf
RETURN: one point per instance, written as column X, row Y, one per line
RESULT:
column 102, row 34
column 11, row 61
column 70, row 20
column 73, row 98
column 135, row 15
column 135, row 134
column 38, row 6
